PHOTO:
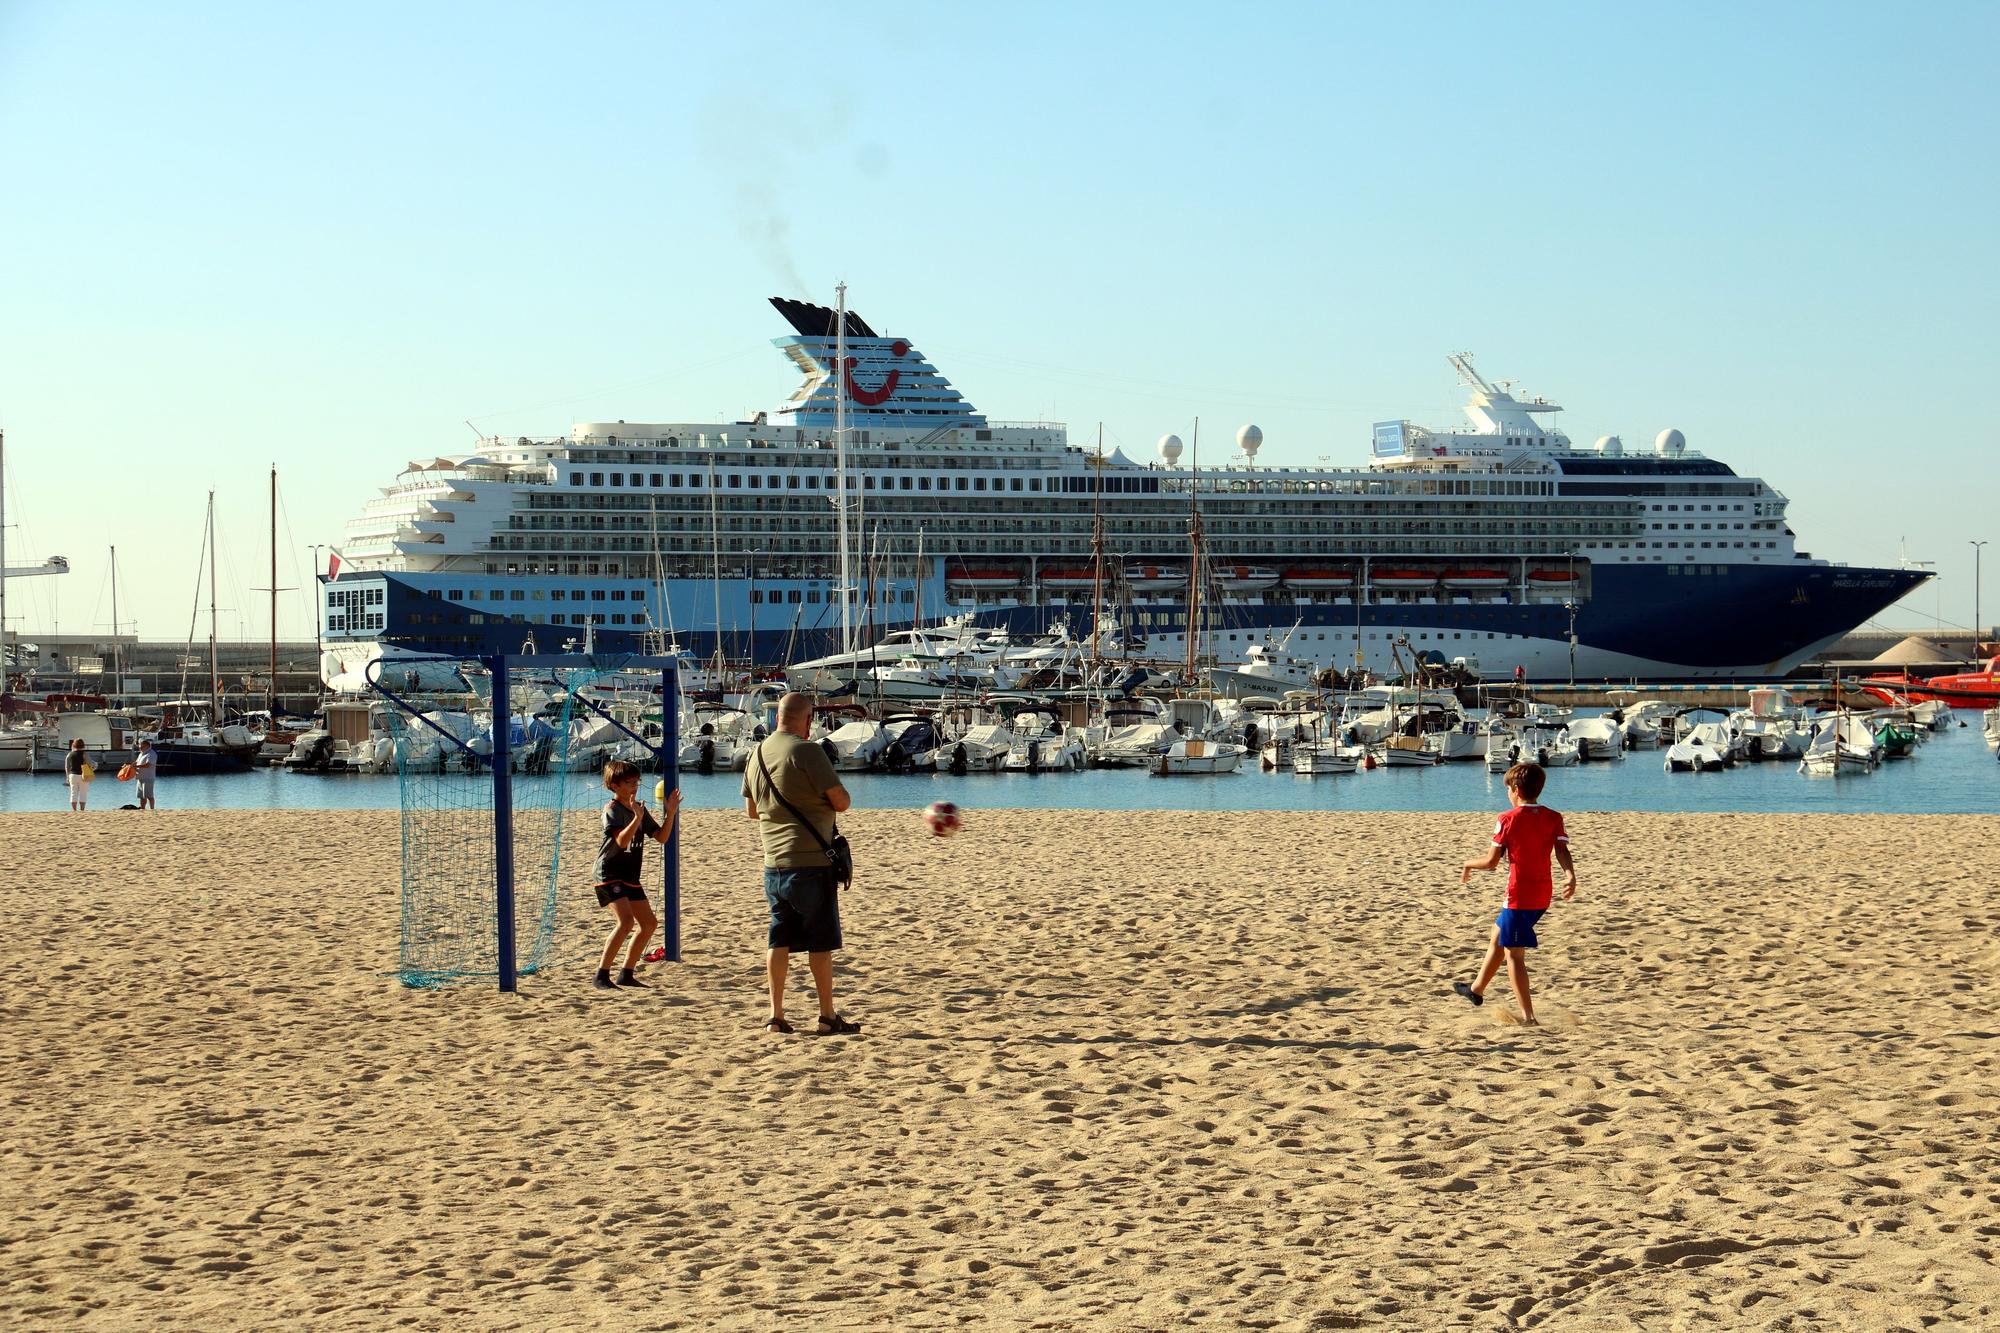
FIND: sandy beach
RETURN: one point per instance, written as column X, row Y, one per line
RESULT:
column 1118, row 1071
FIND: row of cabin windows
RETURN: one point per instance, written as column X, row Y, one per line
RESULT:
column 757, row 481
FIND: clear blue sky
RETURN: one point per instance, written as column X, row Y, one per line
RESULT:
column 238, row 235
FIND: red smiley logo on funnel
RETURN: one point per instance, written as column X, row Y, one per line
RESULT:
column 874, row 397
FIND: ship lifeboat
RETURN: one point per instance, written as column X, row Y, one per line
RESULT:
column 1244, row 578
column 1551, row 578
column 1476, row 580
column 1155, row 578
column 1403, row 580
column 983, row 578
column 1068, row 580
column 1318, row 580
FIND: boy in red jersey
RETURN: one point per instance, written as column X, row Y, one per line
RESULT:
column 1527, row 835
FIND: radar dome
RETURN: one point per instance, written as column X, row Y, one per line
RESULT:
column 1170, row 448
column 1610, row 445
column 1250, row 439
column 1671, row 441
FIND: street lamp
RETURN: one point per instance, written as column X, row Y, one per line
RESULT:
column 1976, row 632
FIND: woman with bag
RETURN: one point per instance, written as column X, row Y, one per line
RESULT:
column 78, row 772
column 790, row 788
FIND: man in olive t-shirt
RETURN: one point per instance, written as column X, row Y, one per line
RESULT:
column 798, row 886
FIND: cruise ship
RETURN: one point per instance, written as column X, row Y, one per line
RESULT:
column 1503, row 542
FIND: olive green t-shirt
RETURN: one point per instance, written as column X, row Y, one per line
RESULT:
column 805, row 775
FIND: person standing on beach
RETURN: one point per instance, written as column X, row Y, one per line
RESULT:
column 790, row 780
column 620, row 858
column 1527, row 835
column 145, row 767
column 77, row 773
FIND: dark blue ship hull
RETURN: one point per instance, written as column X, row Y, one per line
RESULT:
column 1643, row 622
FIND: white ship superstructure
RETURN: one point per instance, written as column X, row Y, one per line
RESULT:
column 1504, row 541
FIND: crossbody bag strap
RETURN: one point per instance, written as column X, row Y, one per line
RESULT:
column 824, row 845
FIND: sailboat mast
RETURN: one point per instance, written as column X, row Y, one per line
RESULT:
column 214, row 660
column 917, row 594
column 1194, row 550
column 715, row 569
column 271, row 684
column 1097, row 552
column 117, row 653
column 840, row 468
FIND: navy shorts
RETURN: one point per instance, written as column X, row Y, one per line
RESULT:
column 805, row 909
column 1517, row 927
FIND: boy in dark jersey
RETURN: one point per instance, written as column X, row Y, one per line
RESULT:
column 619, row 859
column 1527, row 835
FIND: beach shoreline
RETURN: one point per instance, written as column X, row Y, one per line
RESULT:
column 1117, row 1070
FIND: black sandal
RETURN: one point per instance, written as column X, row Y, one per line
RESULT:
column 835, row 1025
column 779, row 1025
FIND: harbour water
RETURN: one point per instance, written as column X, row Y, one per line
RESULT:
column 1954, row 773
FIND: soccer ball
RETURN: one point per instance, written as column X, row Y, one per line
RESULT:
column 943, row 818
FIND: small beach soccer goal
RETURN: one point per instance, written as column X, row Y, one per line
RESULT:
column 499, row 815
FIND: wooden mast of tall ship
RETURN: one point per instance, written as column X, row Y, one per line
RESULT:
column 1194, row 552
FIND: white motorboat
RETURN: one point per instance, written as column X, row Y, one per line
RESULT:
column 1401, row 751
column 1705, row 747
column 1327, row 756
column 857, row 746
column 1264, row 671
column 1597, row 738
column 1042, row 744
column 1196, row 756
column 1993, row 728
column 1843, row 743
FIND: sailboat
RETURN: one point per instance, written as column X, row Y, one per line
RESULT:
column 1195, row 754
column 195, row 735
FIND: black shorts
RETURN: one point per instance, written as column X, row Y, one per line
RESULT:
column 608, row 894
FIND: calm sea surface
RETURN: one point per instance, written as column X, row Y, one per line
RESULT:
column 1954, row 773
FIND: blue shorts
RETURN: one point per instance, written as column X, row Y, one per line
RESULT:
column 805, row 909
column 1517, row 927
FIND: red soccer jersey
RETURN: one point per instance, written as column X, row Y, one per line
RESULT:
column 1529, row 834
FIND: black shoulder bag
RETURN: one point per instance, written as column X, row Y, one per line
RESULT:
column 838, row 855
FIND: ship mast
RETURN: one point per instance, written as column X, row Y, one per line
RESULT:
column 1194, row 550
column 840, row 470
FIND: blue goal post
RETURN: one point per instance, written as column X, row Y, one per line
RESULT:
column 451, row 749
